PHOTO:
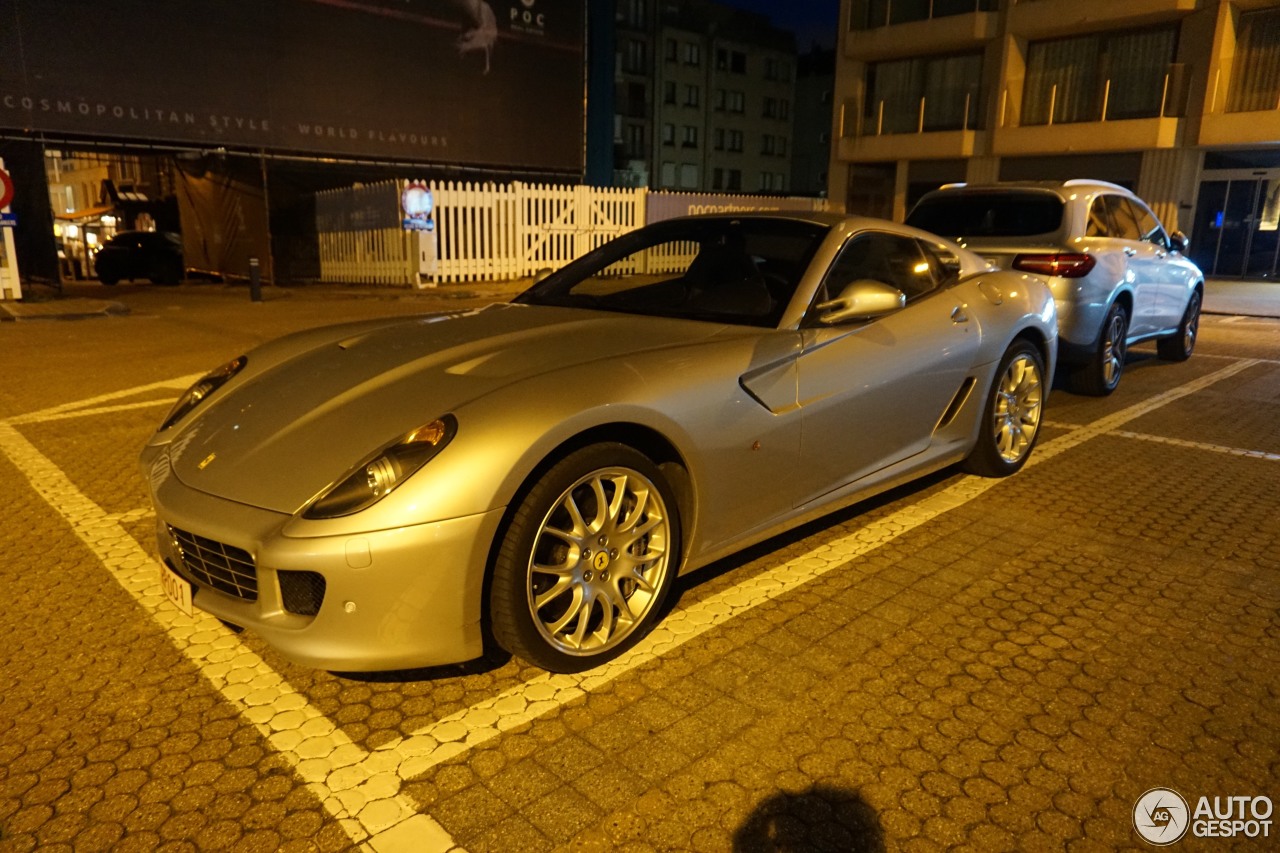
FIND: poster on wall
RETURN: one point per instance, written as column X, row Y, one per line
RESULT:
column 468, row 82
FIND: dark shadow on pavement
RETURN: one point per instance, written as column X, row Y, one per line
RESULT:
column 821, row 818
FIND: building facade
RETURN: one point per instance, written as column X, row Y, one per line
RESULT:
column 705, row 98
column 1177, row 99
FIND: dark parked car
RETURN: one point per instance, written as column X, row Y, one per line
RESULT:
column 154, row 255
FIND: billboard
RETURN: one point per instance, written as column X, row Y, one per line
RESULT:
column 469, row 82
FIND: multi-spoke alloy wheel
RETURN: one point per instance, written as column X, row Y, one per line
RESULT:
column 1179, row 346
column 586, row 561
column 598, row 560
column 1113, row 349
column 1011, row 418
column 1016, row 415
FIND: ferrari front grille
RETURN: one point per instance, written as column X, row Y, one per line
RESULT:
column 223, row 567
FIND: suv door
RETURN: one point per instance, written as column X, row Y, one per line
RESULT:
column 1173, row 279
column 1140, row 263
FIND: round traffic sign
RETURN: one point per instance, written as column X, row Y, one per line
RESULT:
column 6, row 189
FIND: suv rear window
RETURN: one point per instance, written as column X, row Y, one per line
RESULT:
column 994, row 214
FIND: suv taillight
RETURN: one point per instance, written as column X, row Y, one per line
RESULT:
column 1062, row 264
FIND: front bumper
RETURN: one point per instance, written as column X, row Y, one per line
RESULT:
column 393, row 599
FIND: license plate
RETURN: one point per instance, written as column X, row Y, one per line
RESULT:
column 176, row 589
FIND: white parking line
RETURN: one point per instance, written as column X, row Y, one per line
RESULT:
column 362, row 789
column 359, row 790
column 1201, row 445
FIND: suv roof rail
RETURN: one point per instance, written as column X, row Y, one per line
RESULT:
column 1075, row 182
column 954, row 185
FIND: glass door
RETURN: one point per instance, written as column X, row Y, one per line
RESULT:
column 1236, row 225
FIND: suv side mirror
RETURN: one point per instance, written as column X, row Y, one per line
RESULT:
column 861, row 300
column 1178, row 242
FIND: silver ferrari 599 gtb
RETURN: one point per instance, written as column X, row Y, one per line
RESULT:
column 393, row 493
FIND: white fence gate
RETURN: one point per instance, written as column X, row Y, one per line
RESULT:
column 484, row 232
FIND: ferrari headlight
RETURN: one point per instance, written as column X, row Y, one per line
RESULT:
column 374, row 479
column 196, row 394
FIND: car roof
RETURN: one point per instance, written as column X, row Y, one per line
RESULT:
column 1087, row 185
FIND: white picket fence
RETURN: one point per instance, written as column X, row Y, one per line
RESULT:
column 484, row 232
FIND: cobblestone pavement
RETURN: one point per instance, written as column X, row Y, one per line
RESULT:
column 962, row 663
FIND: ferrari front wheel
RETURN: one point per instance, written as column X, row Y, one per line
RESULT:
column 586, row 560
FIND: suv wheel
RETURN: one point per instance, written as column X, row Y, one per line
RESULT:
column 1180, row 345
column 1100, row 375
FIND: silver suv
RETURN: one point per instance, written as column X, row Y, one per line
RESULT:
column 1116, row 275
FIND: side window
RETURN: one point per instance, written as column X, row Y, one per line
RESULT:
column 1149, row 226
column 891, row 259
column 1099, row 224
column 943, row 263
column 1123, row 218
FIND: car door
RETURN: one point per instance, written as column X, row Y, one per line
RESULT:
column 1141, row 270
column 1163, row 267
column 872, row 391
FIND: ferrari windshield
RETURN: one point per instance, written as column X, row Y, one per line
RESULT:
column 723, row 269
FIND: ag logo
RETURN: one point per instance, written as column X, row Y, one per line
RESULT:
column 1161, row 816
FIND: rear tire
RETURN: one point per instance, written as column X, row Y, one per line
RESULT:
column 1180, row 345
column 1011, row 414
column 586, row 561
column 1100, row 375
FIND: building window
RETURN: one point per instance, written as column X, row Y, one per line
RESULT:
column 669, row 92
column 668, row 178
column 734, row 181
column 688, row 176
column 1103, row 76
column 767, row 144
column 692, row 53
column 782, row 146
column 635, row 146
column 690, row 136
column 690, row 96
column 737, row 102
column 634, row 61
column 668, row 134
column 735, row 140
column 717, row 139
column 784, row 109
column 718, row 100
column 869, row 14
column 672, row 50
column 1255, row 76
column 945, row 85
column 717, row 179
column 633, row 12
column 770, row 108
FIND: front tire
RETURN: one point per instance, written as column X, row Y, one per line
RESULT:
column 586, row 561
column 1100, row 375
column 1180, row 345
column 1011, row 416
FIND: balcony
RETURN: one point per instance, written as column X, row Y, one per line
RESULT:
column 1038, row 19
column 919, row 38
column 920, row 133
column 1127, row 118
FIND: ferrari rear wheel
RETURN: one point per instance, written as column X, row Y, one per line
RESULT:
column 586, row 561
column 1011, row 418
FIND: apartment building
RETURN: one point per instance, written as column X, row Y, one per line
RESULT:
column 1176, row 99
column 714, row 111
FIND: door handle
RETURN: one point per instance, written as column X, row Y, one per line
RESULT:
column 1130, row 251
column 959, row 315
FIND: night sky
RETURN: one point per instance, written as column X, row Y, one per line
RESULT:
column 810, row 20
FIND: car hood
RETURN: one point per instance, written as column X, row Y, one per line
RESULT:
column 327, row 402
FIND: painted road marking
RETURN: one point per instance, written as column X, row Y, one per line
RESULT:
column 1200, row 445
column 360, row 788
